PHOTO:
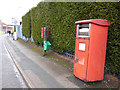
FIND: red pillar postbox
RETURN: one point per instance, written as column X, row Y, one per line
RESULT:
column 90, row 49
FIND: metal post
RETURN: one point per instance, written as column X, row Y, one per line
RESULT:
column 6, row 28
column 45, row 38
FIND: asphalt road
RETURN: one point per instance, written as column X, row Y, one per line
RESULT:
column 9, row 74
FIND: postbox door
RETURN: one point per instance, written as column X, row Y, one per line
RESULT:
column 82, row 50
column 81, row 58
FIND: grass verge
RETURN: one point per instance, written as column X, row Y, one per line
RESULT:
column 49, row 54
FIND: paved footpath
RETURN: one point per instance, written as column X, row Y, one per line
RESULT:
column 38, row 71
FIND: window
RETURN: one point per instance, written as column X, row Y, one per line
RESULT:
column 4, row 28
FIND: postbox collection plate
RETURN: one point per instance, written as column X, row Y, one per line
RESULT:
column 82, row 46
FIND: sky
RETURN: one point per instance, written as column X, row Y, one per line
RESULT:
column 15, row 9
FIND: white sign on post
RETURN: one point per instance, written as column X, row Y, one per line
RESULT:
column 82, row 46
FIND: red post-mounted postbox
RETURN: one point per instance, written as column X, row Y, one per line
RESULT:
column 47, row 33
column 90, row 49
column 44, row 31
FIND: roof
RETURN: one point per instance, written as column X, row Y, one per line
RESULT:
column 2, row 23
column 9, row 25
column 102, row 22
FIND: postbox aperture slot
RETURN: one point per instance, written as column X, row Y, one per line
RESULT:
column 83, row 30
column 84, row 25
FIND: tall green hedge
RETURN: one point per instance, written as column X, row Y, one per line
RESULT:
column 60, row 19
column 38, row 20
column 26, row 25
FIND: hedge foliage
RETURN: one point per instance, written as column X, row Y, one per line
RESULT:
column 26, row 25
column 60, row 19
